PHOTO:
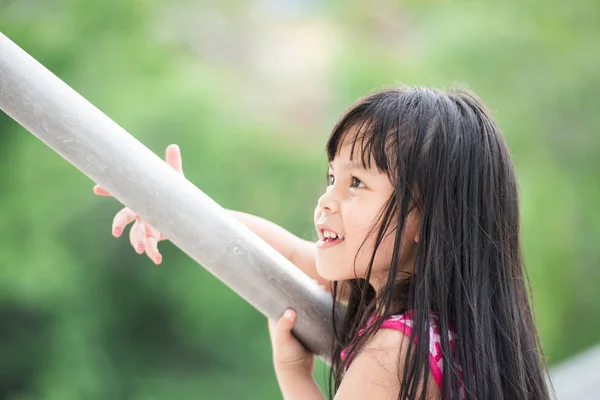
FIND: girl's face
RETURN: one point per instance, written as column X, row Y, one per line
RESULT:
column 349, row 207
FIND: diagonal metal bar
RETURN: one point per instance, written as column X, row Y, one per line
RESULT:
column 138, row 178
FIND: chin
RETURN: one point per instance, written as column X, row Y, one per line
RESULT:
column 330, row 272
column 325, row 272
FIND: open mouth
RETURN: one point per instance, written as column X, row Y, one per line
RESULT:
column 328, row 238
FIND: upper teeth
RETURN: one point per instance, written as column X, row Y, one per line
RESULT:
column 331, row 235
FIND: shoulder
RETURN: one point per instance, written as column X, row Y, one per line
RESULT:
column 374, row 373
column 404, row 323
column 377, row 369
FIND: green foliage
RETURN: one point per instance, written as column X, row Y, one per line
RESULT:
column 83, row 316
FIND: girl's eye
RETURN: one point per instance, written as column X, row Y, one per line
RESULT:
column 357, row 183
column 330, row 180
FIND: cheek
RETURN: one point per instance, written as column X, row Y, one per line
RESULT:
column 357, row 227
column 382, row 258
column 338, row 263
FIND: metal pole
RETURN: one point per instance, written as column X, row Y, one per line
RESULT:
column 111, row 157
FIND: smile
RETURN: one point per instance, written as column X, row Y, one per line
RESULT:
column 328, row 237
column 329, row 242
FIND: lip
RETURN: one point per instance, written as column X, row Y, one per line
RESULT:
column 323, row 227
column 322, row 244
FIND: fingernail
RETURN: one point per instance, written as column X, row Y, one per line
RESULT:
column 139, row 247
column 288, row 314
column 117, row 232
column 158, row 259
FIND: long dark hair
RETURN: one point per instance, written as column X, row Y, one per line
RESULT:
column 447, row 158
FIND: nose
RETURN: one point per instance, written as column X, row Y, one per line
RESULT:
column 328, row 201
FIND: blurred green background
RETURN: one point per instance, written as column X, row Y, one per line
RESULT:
column 250, row 90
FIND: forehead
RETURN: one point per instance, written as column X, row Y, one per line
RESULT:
column 363, row 144
column 344, row 159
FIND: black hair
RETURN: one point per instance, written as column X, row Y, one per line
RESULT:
column 448, row 160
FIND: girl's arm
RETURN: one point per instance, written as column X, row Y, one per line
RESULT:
column 297, row 385
column 145, row 238
column 294, row 365
column 300, row 252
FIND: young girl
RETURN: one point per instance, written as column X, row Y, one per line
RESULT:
column 419, row 235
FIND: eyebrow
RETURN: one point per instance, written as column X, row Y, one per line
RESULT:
column 348, row 165
column 352, row 165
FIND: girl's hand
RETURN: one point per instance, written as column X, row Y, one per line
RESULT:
column 289, row 355
column 143, row 236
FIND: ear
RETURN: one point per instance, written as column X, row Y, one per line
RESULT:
column 414, row 221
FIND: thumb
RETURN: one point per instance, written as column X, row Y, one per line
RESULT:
column 285, row 324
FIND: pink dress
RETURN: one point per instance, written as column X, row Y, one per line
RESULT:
column 404, row 323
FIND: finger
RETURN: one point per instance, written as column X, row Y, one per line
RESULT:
column 152, row 231
column 137, row 235
column 173, row 158
column 285, row 324
column 151, row 246
column 121, row 220
column 282, row 327
column 100, row 191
